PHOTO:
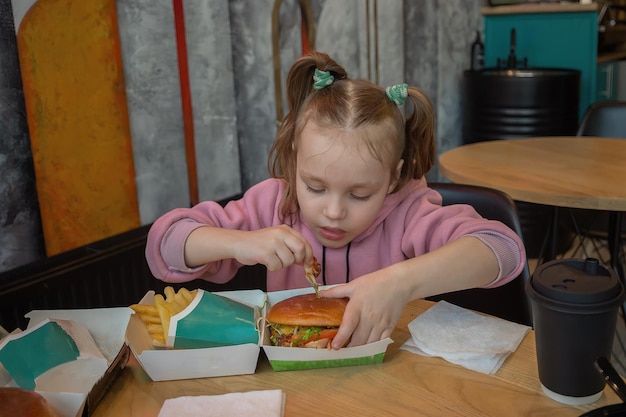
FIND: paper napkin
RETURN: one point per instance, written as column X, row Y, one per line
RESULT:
column 267, row 403
column 477, row 342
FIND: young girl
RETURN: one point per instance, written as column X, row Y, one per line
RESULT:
column 347, row 188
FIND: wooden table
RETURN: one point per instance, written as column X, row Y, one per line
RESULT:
column 575, row 172
column 405, row 384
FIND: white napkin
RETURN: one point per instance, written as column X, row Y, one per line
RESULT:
column 267, row 403
column 463, row 337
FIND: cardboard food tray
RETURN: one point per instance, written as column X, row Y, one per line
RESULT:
column 104, row 384
column 287, row 358
column 106, row 326
column 172, row 364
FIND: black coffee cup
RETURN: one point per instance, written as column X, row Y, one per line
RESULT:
column 574, row 304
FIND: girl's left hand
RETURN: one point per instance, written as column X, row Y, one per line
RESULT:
column 375, row 306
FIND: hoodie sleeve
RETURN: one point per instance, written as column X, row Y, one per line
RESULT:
column 430, row 226
column 257, row 209
column 510, row 258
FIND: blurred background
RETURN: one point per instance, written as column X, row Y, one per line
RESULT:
column 114, row 112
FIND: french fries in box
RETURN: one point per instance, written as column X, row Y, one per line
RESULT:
column 157, row 316
column 198, row 319
column 186, row 351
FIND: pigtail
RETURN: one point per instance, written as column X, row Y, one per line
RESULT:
column 300, row 78
column 299, row 85
column 299, row 88
column 420, row 148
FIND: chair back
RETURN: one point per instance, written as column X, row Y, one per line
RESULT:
column 509, row 301
column 604, row 119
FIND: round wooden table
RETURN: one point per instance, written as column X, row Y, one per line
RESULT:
column 574, row 172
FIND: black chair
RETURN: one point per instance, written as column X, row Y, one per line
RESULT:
column 508, row 301
column 602, row 119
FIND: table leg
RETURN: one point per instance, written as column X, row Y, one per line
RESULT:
column 615, row 242
column 548, row 247
column 554, row 233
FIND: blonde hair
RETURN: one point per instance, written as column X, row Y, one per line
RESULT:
column 351, row 104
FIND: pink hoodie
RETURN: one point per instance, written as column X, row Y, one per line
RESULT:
column 411, row 222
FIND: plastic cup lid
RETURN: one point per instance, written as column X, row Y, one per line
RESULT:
column 580, row 281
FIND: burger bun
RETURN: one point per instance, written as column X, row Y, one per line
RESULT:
column 308, row 310
column 18, row 402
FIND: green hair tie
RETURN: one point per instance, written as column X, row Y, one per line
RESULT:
column 322, row 79
column 397, row 93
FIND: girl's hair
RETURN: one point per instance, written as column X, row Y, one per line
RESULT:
column 349, row 105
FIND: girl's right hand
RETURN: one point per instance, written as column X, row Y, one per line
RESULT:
column 275, row 247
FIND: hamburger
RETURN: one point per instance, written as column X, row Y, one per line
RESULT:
column 305, row 321
column 18, row 402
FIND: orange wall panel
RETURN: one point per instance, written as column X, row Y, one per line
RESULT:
column 77, row 114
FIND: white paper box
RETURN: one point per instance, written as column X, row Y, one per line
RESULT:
column 288, row 358
column 172, row 364
column 106, row 326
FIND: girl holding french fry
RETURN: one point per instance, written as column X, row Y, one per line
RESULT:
column 347, row 188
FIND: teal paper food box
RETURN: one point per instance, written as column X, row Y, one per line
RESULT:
column 72, row 356
column 211, row 320
column 178, row 362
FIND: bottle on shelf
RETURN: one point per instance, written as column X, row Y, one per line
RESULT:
column 478, row 53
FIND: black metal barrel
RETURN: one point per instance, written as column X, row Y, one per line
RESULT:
column 514, row 103
column 523, row 102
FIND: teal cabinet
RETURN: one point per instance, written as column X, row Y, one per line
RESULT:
column 548, row 40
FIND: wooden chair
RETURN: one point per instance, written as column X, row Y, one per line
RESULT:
column 509, row 301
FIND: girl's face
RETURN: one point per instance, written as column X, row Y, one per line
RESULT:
column 340, row 186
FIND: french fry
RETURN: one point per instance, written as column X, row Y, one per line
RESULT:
column 188, row 295
column 311, row 272
column 158, row 340
column 154, row 328
column 164, row 312
column 169, row 293
column 150, row 318
column 157, row 317
column 146, row 309
column 179, row 301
